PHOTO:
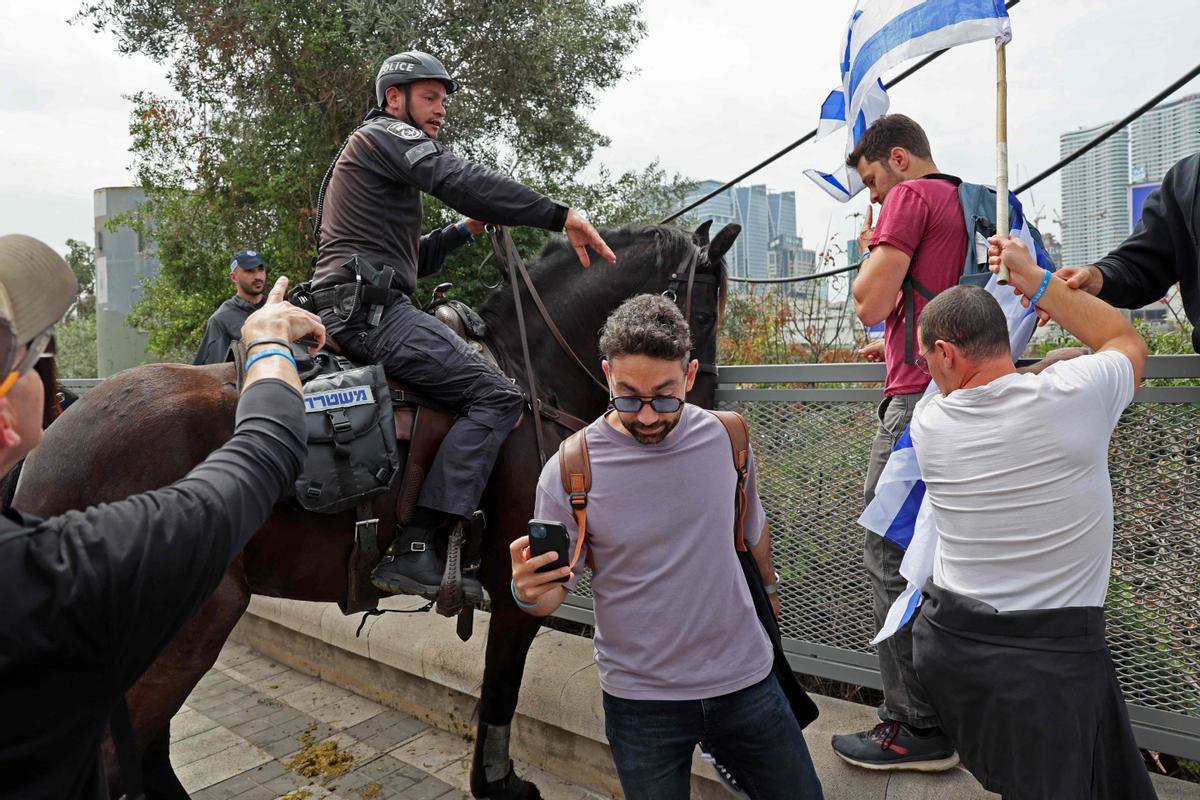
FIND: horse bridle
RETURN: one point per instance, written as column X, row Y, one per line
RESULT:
column 505, row 251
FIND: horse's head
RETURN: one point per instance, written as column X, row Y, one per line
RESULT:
column 705, row 305
column 654, row 258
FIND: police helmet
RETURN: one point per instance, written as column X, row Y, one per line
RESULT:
column 411, row 67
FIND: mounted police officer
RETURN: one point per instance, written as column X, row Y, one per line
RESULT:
column 370, row 254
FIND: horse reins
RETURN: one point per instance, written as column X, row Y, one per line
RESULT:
column 506, row 252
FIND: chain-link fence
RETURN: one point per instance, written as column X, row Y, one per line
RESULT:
column 811, row 447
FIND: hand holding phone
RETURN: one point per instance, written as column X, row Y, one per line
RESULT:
column 547, row 536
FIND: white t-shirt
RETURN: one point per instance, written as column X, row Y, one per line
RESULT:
column 1017, row 475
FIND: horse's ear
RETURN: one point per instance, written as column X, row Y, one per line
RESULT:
column 700, row 237
column 723, row 241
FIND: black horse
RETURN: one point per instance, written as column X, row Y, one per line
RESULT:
column 102, row 450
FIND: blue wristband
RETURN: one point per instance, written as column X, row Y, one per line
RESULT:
column 1041, row 289
column 512, row 585
column 252, row 360
column 462, row 226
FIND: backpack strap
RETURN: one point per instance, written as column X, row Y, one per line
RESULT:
column 910, row 286
column 739, row 441
column 575, row 471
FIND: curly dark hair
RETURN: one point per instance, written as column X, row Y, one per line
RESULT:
column 646, row 325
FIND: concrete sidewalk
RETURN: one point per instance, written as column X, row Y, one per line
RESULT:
column 251, row 726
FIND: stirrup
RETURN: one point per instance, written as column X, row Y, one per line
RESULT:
column 450, row 597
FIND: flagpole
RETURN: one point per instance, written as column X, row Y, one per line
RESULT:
column 1002, row 228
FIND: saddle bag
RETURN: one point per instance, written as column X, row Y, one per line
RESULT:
column 351, row 438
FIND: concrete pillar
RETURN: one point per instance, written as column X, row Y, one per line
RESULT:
column 123, row 259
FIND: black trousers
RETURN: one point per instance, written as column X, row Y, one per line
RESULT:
column 1030, row 699
column 422, row 353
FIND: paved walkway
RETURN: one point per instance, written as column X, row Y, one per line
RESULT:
column 256, row 730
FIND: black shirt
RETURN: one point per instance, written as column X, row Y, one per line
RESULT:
column 1163, row 248
column 225, row 326
column 372, row 206
column 90, row 597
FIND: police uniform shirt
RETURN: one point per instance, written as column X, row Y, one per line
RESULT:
column 372, row 206
column 224, row 327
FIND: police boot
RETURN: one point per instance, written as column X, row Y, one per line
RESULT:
column 412, row 565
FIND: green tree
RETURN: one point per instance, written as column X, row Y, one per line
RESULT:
column 268, row 89
column 75, row 336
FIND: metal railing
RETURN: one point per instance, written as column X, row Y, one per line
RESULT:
column 811, row 428
column 811, row 442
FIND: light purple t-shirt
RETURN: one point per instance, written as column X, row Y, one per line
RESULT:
column 674, row 618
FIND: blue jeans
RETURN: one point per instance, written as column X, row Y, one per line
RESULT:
column 752, row 732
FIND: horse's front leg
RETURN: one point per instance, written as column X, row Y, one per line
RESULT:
column 509, row 635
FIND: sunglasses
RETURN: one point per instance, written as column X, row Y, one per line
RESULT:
column 662, row 404
column 8, row 351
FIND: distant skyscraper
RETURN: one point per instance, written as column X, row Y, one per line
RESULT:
column 1095, row 208
column 763, row 216
column 783, row 214
column 1095, row 187
column 788, row 258
column 1162, row 136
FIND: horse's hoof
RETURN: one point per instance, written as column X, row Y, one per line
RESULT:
column 510, row 788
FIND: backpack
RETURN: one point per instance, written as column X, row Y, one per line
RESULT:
column 978, row 205
column 575, row 472
column 351, row 436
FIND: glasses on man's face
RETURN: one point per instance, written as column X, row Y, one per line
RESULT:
column 663, row 404
column 922, row 363
column 33, row 352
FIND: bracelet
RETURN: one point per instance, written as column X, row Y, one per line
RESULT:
column 462, row 227
column 252, row 360
column 1041, row 289
column 512, row 585
column 257, row 342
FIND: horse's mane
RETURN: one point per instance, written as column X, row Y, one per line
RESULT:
column 667, row 245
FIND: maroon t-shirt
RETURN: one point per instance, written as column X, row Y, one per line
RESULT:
column 923, row 218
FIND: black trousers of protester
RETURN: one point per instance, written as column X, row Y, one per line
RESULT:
column 1030, row 699
column 425, row 355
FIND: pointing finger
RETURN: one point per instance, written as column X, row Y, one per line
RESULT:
column 279, row 290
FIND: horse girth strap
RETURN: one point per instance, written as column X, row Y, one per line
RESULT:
column 575, row 472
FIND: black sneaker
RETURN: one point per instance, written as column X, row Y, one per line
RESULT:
column 893, row 745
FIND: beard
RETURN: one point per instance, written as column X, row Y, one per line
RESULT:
column 653, row 434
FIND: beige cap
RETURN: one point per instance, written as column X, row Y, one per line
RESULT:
column 36, row 285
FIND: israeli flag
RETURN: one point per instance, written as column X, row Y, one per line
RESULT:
column 900, row 511
column 880, row 35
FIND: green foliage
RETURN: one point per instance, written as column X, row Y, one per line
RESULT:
column 773, row 327
column 268, row 89
column 75, row 337
column 75, row 347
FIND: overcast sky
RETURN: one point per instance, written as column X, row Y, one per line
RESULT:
column 719, row 86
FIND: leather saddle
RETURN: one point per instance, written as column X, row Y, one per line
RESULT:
column 421, row 426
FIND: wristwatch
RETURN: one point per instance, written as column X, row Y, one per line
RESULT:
column 773, row 586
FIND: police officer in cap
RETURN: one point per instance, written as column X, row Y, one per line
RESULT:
column 370, row 254
column 248, row 272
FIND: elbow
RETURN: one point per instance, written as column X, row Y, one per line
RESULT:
column 869, row 315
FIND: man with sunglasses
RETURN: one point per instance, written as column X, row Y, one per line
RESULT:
column 678, row 663
column 91, row 596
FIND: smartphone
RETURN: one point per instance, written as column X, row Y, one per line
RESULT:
column 547, row 536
